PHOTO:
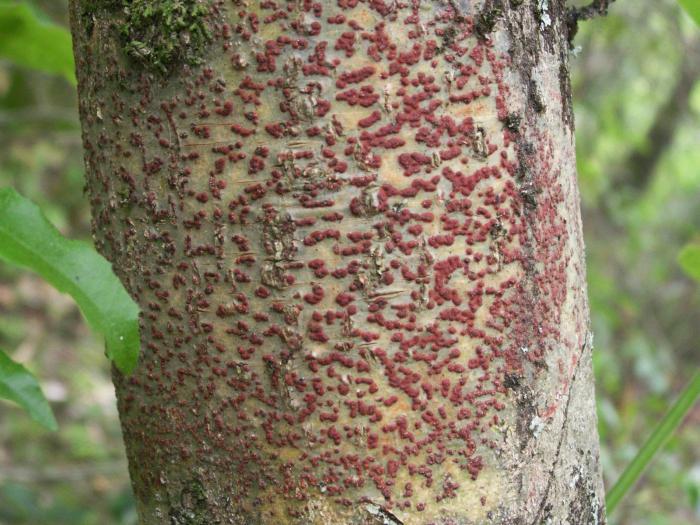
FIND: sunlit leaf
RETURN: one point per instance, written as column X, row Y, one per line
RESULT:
column 28, row 239
column 689, row 259
column 692, row 7
column 19, row 385
column 27, row 40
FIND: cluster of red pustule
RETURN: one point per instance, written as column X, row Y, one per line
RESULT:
column 354, row 290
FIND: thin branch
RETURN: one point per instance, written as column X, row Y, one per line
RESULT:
column 575, row 14
column 592, row 10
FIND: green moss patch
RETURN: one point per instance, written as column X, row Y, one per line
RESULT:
column 160, row 33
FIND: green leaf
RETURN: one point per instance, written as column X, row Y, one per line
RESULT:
column 689, row 259
column 19, row 385
column 654, row 443
column 27, row 40
column 692, row 7
column 28, row 239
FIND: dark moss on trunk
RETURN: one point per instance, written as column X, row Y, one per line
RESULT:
column 158, row 34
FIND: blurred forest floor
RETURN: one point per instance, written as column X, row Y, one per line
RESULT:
column 636, row 81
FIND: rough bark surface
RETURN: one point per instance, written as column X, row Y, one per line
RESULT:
column 353, row 228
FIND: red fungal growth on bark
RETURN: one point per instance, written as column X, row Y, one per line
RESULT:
column 344, row 299
column 413, row 162
column 368, row 121
column 354, row 77
column 346, row 42
column 369, row 291
column 365, row 96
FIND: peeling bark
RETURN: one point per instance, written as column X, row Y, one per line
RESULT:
column 353, row 229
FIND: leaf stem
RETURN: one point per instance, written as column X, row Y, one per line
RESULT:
column 654, row 443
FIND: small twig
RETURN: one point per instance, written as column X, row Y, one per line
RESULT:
column 388, row 293
column 592, row 10
column 595, row 8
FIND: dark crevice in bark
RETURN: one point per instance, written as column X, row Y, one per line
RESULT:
column 381, row 516
column 565, row 90
column 527, row 46
column 542, row 508
column 582, row 508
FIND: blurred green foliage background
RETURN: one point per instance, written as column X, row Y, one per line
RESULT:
column 636, row 81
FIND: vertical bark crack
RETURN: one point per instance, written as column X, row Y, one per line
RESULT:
column 562, row 433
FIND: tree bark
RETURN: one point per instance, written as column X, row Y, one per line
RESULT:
column 353, row 229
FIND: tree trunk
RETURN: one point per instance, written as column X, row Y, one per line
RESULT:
column 353, row 229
